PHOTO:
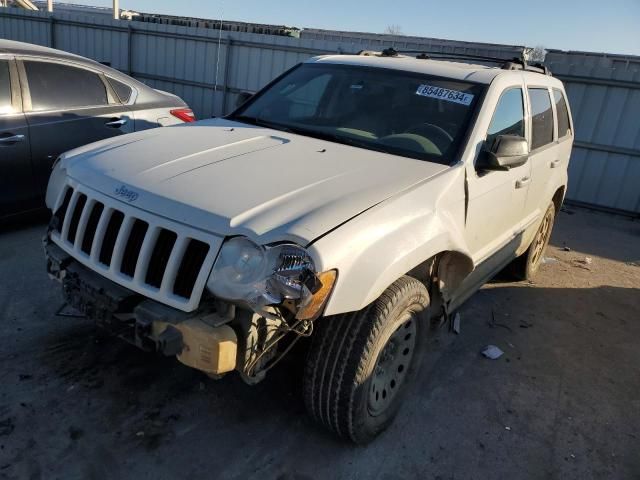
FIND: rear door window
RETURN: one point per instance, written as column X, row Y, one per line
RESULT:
column 55, row 86
column 541, row 117
column 564, row 125
column 5, row 88
column 122, row 90
column 508, row 118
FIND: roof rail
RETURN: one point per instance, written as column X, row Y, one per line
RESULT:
column 513, row 64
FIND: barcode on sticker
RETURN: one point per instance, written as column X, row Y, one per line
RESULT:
column 444, row 94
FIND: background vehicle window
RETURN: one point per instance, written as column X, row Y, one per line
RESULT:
column 508, row 118
column 541, row 117
column 564, row 126
column 5, row 88
column 54, row 86
column 122, row 90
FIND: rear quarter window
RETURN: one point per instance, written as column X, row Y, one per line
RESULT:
column 541, row 117
column 564, row 124
column 122, row 90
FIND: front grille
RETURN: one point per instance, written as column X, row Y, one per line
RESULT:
column 75, row 217
column 132, row 250
column 110, row 237
column 92, row 224
column 158, row 258
column 190, row 267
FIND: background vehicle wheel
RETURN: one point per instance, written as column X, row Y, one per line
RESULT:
column 525, row 266
column 360, row 364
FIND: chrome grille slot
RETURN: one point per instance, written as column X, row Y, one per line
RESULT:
column 190, row 266
column 157, row 257
column 92, row 225
column 75, row 217
column 133, row 247
column 160, row 257
column 110, row 237
column 61, row 212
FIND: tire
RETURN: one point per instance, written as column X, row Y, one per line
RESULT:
column 354, row 356
column 526, row 265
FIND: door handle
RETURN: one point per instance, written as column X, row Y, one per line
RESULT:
column 555, row 163
column 120, row 122
column 12, row 139
column 523, row 182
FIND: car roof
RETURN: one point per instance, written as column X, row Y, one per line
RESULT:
column 12, row 47
column 21, row 48
column 442, row 68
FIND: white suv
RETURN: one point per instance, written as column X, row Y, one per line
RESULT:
column 357, row 200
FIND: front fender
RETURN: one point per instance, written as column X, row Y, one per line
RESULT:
column 376, row 248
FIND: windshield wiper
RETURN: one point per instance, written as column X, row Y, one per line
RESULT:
column 353, row 142
column 261, row 123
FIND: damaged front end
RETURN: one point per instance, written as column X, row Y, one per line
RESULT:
column 258, row 302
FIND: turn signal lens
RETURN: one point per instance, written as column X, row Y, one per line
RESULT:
column 313, row 309
column 184, row 114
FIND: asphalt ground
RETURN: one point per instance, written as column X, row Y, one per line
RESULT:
column 562, row 402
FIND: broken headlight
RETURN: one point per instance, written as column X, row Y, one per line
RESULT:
column 263, row 275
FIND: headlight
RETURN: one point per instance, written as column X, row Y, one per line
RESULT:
column 260, row 276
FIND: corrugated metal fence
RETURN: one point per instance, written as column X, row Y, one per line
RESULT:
column 604, row 94
column 208, row 70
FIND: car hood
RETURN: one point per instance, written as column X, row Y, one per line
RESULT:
column 231, row 178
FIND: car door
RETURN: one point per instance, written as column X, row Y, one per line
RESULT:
column 67, row 106
column 17, row 188
column 497, row 198
column 543, row 151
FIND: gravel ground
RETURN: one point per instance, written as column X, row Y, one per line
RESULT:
column 562, row 402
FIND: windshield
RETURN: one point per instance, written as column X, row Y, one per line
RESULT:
column 393, row 111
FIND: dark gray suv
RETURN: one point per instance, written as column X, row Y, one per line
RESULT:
column 52, row 101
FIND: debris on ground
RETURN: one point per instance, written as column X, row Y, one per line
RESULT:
column 525, row 324
column 75, row 433
column 584, row 263
column 566, row 249
column 547, row 260
column 507, row 428
column 456, row 323
column 492, row 352
column 494, row 324
column 634, row 264
column 6, row 427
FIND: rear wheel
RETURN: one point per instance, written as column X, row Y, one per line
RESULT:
column 360, row 364
column 526, row 266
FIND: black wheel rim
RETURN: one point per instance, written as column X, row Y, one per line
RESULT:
column 392, row 366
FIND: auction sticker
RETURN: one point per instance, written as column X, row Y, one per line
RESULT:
column 445, row 94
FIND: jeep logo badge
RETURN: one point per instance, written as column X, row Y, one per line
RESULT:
column 128, row 195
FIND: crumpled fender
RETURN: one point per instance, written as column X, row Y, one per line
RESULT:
column 374, row 249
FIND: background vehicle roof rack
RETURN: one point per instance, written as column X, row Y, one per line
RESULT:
column 513, row 64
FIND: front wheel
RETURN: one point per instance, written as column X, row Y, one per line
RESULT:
column 360, row 364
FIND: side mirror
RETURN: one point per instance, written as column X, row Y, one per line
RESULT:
column 506, row 151
column 242, row 98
